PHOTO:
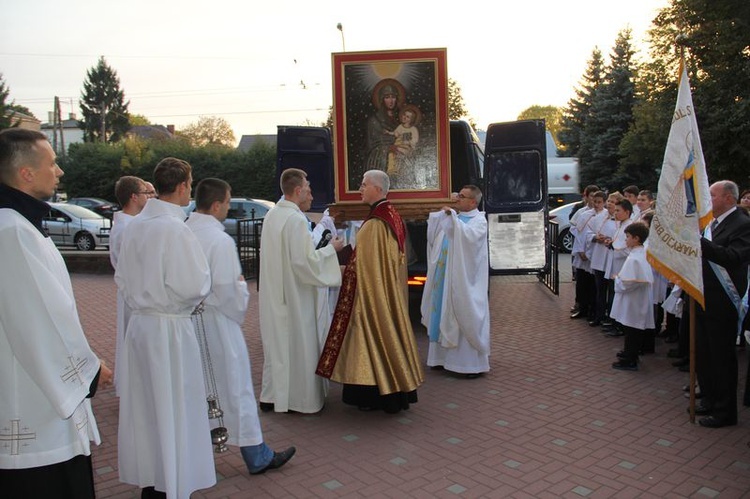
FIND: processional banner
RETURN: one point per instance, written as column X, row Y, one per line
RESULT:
column 683, row 207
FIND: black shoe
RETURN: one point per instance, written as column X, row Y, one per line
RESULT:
column 279, row 459
column 595, row 322
column 614, row 334
column 622, row 355
column 577, row 314
column 681, row 362
column 700, row 410
column 574, row 308
column 713, row 422
column 472, row 375
column 625, row 365
column 266, row 406
column 607, row 322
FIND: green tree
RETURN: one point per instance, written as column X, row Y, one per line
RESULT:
column 209, row 131
column 575, row 114
column 718, row 59
column 328, row 123
column 6, row 108
column 102, row 99
column 138, row 120
column 456, row 106
column 552, row 116
column 642, row 147
column 91, row 169
column 609, row 119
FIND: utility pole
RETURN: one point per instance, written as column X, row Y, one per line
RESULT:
column 54, row 125
column 59, row 123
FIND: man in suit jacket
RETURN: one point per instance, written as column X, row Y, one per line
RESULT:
column 716, row 327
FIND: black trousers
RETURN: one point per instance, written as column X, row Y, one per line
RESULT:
column 633, row 343
column 716, row 362
column 585, row 292
column 602, row 288
column 72, row 479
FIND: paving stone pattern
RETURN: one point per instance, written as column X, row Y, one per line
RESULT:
column 550, row 420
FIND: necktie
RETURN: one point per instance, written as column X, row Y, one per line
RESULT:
column 709, row 232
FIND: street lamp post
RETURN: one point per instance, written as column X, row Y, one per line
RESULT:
column 341, row 28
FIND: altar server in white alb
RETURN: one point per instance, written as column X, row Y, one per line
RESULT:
column 223, row 314
column 455, row 307
column 132, row 194
column 48, row 372
column 633, row 303
column 164, row 441
column 291, row 271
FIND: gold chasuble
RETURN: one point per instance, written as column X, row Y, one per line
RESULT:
column 371, row 341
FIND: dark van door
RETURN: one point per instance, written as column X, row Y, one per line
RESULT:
column 515, row 198
column 310, row 149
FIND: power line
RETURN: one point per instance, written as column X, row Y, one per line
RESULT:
column 187, row 93
column 270, row 111
column 111, row 56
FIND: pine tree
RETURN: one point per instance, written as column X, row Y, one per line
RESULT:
column 609, row 119
column 575, row 114
column 102, row 96
column 5, row 107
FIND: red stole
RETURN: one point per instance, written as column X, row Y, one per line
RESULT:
column 340, row 322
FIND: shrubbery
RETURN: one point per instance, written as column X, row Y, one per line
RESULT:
column 91, row 169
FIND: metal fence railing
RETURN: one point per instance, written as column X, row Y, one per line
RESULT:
column 248, row 246
column 551, row 277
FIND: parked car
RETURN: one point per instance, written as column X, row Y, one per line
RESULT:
column 242, row 208
column 72, row 225
column 239, row 209
column 562, row 216
column 97, row 205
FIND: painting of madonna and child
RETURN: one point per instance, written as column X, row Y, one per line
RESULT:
column 390, row 114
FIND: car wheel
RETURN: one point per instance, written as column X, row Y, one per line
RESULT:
column 565, row 241
column 85, row 242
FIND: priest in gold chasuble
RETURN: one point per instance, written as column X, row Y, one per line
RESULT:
column 371, row 347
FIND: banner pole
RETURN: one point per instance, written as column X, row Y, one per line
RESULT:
column 692, row 359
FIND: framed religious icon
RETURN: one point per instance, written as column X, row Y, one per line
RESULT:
column 390, row 113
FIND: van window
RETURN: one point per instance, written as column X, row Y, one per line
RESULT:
column 515, row 177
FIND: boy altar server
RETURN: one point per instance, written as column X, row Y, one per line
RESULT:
column 633, row 303
column 222, row 317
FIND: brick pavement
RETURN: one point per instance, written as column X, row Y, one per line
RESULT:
column 551, row 419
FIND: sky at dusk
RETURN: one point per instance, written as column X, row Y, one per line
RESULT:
column 263, row 64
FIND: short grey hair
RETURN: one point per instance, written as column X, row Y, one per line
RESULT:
column 379, row 178
column 729, row 187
